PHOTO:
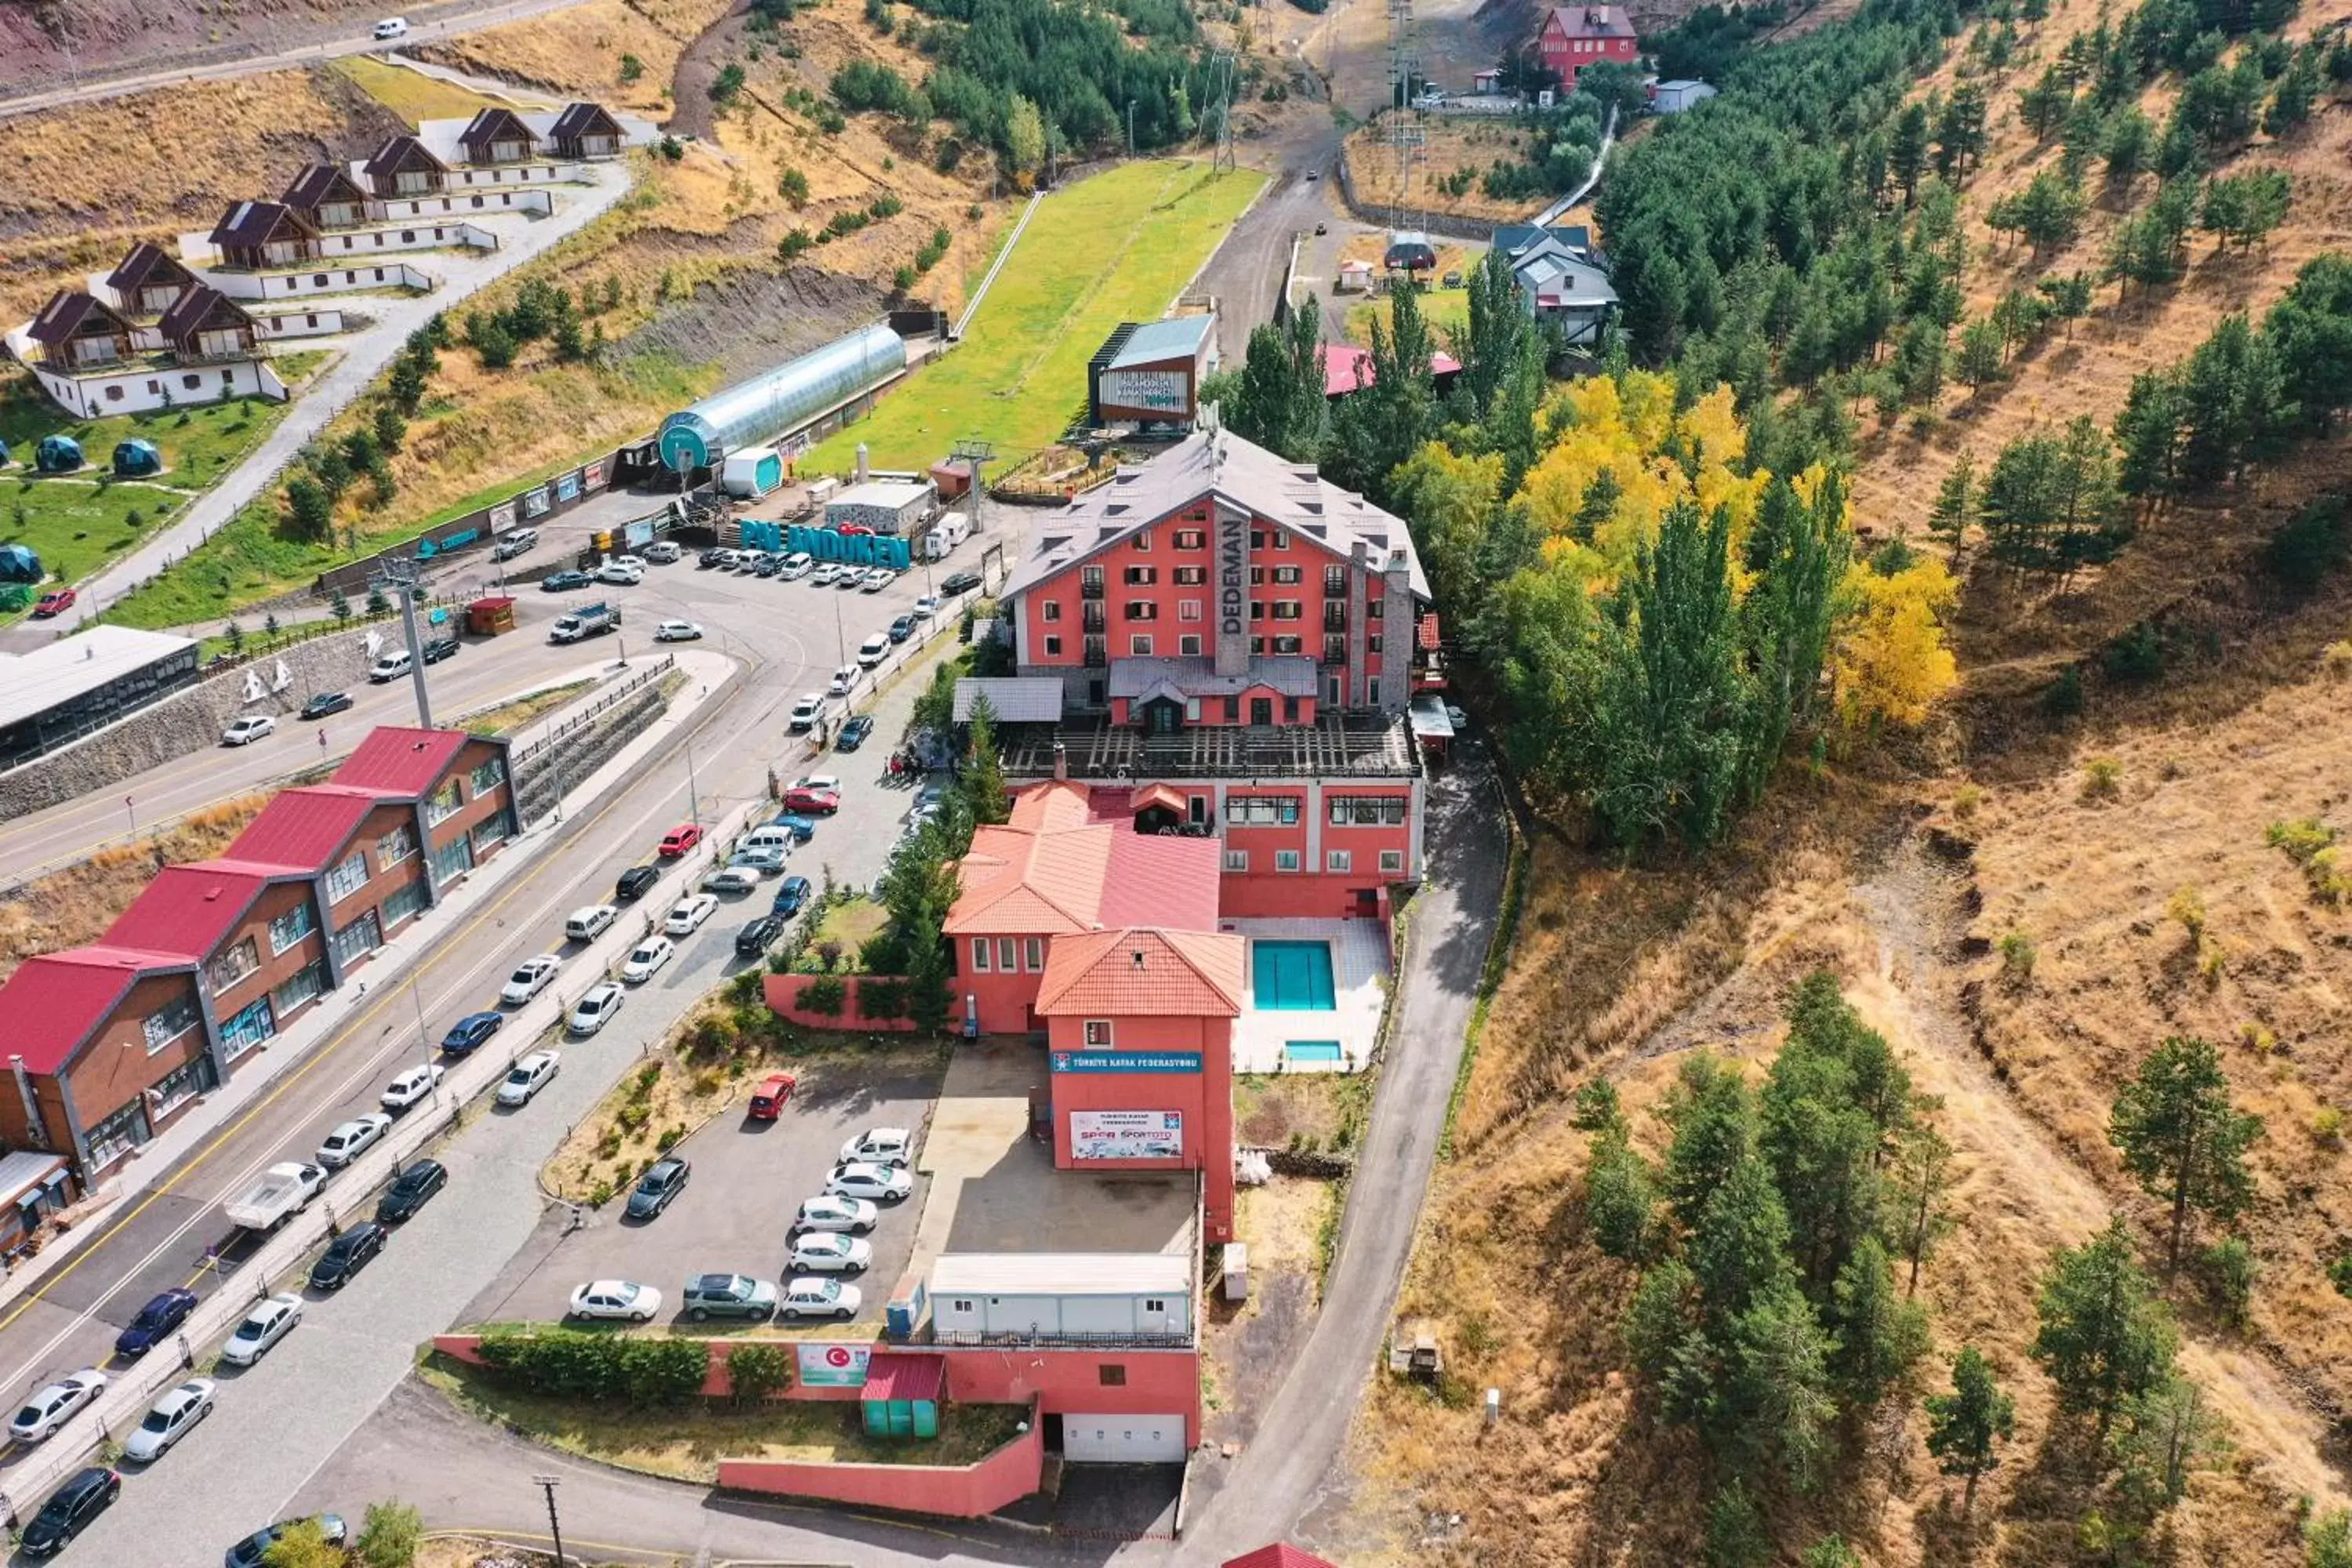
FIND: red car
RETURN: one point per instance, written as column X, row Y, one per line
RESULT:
column 55, row 603
column 767, row 1100
column 823, row 802
column 680, row 839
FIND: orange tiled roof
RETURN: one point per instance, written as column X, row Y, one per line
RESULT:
column 1053, row 870
column 1132, row 972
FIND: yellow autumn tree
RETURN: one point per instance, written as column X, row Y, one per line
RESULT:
column 1889, row 664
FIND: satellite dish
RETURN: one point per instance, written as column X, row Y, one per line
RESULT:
column 280, row 678
column 253, row 686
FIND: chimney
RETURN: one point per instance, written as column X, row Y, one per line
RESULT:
column 1061, row 761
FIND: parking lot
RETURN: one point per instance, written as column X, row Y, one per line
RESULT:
column 748, row 1180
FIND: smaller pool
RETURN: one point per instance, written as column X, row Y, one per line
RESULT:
column 1317, row 1051
column 1292, row 976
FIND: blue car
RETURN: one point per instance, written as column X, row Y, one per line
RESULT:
column 471, row 1031
column 154, row 1322
column 802, row 828
column 853, row 734
column 793, row 894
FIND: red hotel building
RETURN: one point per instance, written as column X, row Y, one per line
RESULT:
column 1574, row 36
column 109, row 1043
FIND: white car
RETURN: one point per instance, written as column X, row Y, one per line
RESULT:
column 732, row 879
column 54, row 1405
column 620, row 574
column 623, row 1301
column 646, row 959
column 877, row 579
column 883, row 1184
column 415, row 1085
column 814, row 1297
column 587, row 923
column 798, row 564
column 245, row 730
column 348, row 1142
column 662, row 551
column 925, row 607
column 595, row 1010
column 634, row 562
column 677, row 631
column 268, row 1323
column 819, row 780
column 392, row 27
column 530, row 1075
column 825, row 575
column 805, row 712
column 844, row 681
column 531, row 977
column 874, row 650
column 689, row 913
column 169, row 1420
column 834, row 1212
column 879, row 1146
column 831, row 1252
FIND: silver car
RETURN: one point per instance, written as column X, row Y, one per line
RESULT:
column 169, row 1419
column 268, row 1323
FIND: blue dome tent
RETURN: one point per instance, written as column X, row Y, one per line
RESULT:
column 135, row 457
column 58, row 455
column 19, row 564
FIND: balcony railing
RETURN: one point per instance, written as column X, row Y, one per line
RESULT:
column 1061, row 1341
column 1090, row 588
column 1335, row 617
column 1092, row 617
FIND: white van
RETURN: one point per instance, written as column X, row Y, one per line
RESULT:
column 767, row 841
column 391, row 666
column 392, row 27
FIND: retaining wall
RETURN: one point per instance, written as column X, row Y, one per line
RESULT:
column 586, row 750
column 784, row 992
column 956, row 1491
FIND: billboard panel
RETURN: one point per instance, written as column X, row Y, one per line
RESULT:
column 1159, row 392
column 834, row 1366
column 1126, row 1134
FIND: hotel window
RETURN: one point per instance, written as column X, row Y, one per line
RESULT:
column 1335, row 579
column 1143, row 539
column 1257, row 576
column 118, row 1134
column 228, row 968
column 1141, row 577
column 1053, row 648
column 396, row 845
column 1192, row 704
column 1285, row 645
column 1097, row 1034
column 1367, row 810
column 357, row 940
column 1290, row 709
column 1033, row 953
column 1335, row 650
column 1339, row 860
column 1373, row 691
column 1262, row 810
column 348, row 878
column 1236, row 859
column 1289, row 576
column 1290, row 610
column 1196, row 807
column 1140, row 645
column 1192, row 539
column 307, row 983
column 980, row 955
column 1188, row 609
column 1110, row 1375
column 489, row 776
column 1373, row 643
column 1257, row 609
column 1257, row 539
column 1376, row 609
column 1190, row 647
column 1142, row 610
column 1052, row 612
column 291, row 927
column 1004, row 955
column 453, row 860
column 1392, row 861
column 1191, row 576
column 443, row 803
column 403, row 902
column 492, row 830
column 169, row 1022
column 1281, row 539
column 1286, row 860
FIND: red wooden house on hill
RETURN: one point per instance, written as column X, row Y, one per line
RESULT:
column 1574, row 36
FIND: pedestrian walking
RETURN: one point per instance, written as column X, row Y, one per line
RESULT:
column 322, row 737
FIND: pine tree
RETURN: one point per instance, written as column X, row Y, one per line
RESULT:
column 1906, row 150
column 983, row 784
column 1979, row 356
column 2292, row 99
column 390, row 428
column 2066, row 297
column 2233, row 403
column 1599, row 508
column 1771, row 1404
column 2104, row 1336
column 2042, row 107
column 1918, row 1208
column 2130, row 142
column 1967, row 1425
column 2049, row 213
column 2164, row 1435
column 1788, row 618
column 1881, row 1334
column 2310, row 334
column 2181, row 1138
column 2245, row 207
column 2148, row 429
column 1919, row 360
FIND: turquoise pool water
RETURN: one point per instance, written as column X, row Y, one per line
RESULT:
column 1311, row 1050
column 1292, row 976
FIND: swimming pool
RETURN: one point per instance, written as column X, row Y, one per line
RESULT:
column 1317, row 1051
column 1292, row 976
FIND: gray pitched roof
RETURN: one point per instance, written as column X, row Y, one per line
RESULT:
column 197, row 308
column 145, row 263
column 319, row 184
column 1290, row 674
column 583, row 119
column 67, row 311
column 257, row 222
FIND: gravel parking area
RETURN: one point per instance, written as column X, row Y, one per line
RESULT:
column 748, row 1178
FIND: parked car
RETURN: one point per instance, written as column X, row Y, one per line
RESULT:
column 161, row 1316
column 677, row 631
column 732, row 879
column 805, row 712
column 249, row 1552
column 801, row 828
column 926, row 607
column 798, row 564
column 663, row 1180
column 879, row 1146
column 823, row 802
column 617, row 1301
column 729, row 1296
column 825, row 575
column 270, row 1320
column 323, row 703
column 685, row 917
column 662, row 551
column 390, row 666
column 762, row 857
column 620, row 574
column 411, row 1190
column 774, row 1092
column 86, row 1494
column 902, row 628
column 830, row 1252
column 814, row 1297
column 440, row 648
column 245, row 730
column 851, row 577
column 514, row 542
column 959, row 582
column 418, row 1082
column 767, row 566
column 844, row 680
column 50, row 1408
column 793, row 893
column 351, row 1139
column 634, row 883
column 878, row 578
column 714, row 556
column 1451, row 280
column 530, row 1073
column 531, row 977
column 830, row 1210
column 646, row 959
column 469, row 1032
column 587, row 923
column 853, row 734
column 593, row 1011
column 564, row 582
column 874, row 650
column 169, row 1419
column 756, row 937
column 56, row 602
column 347, row 1255
column 679, row 839
column 882, row 1183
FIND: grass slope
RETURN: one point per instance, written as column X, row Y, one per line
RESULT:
column 1113, row 249
column 412, row 95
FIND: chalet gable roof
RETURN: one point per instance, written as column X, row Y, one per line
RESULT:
column 201, row 308
column 143, row 264
column 495, row 125
column 583, row 119
column 258, row 223
column 319, row 184
column 403, row 152
column 72, row 313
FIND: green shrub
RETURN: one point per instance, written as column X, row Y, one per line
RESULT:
column 881, row 997
column 2230, row 1269
column 574, row 1365
column 825, row 995
column 2017, row 956
column 632, row 69
column 757, row 1371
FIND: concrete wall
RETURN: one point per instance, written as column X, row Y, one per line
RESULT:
column 585, row 751
column 955, row 1491
column 784, row 992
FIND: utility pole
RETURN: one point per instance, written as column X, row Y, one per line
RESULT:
column 403, row 579
column 1131, row 128
column 693, row 805
column 548, row 1485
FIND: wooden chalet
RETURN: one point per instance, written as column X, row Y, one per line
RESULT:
column 149, row 280
column 498, row 136
column 76, row 330
column 254, row 237
column 404, row 166
column 586, row 130
column 325, row 196
column 206, row 324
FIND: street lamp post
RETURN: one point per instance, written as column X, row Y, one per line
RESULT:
column 555, row 1527
column 423, row 1041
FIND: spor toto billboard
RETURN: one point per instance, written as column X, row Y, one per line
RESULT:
column 1126, row 1134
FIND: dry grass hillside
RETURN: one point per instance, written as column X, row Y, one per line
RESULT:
column 577, row 51
column 76, row 905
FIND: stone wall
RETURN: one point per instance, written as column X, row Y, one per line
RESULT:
column 585, row 750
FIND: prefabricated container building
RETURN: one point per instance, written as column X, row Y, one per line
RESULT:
column 1062, row 1295
column 896, row 506
column 782, row 401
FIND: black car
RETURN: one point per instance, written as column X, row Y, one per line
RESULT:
column 411, row 1190
column 71, row 1509
column 440, row 648
column 710, row 557
column 902, row 628
column 347, row 1255
column 564, row 582
column 634, row 883
column 249, row 1552
column 959, row 582
column 324, row 703
column 853, row 734
column 155, row 1320
column 766, row 567
column 663, row 1181
column 755, row 939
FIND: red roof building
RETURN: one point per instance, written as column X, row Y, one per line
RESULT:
column 1347, row 368
column 1280, row 1555
column 1574, row 36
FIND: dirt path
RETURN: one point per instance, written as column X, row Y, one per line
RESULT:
column 2042, row 1191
